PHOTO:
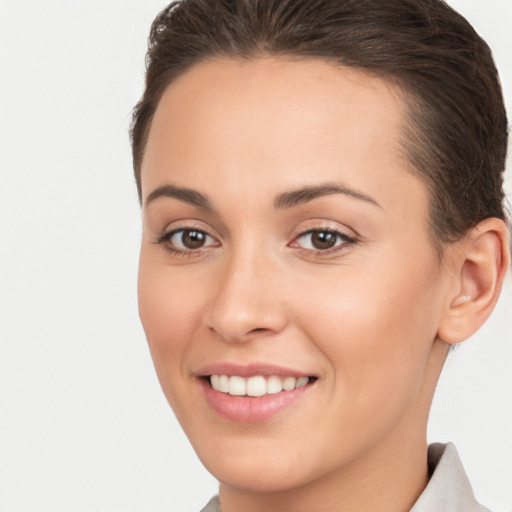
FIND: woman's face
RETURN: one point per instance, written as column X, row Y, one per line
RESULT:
column 286, row 251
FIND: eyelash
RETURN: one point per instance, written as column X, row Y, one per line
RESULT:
column 346, row 242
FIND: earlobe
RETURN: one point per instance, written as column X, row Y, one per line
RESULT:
column 480, row 266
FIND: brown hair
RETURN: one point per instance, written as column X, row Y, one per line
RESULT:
column 456, row 134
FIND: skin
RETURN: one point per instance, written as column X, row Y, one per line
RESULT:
column 364, row 317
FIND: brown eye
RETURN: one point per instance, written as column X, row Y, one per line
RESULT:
column 187, row 240
column 193, row 239
column 322, row 240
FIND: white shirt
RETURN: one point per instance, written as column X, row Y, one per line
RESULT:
column 448, row 489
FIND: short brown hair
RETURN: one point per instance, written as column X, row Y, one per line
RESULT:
column 456, row 131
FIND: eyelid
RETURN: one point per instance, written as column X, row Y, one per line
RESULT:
column 186, row 225
column 324, row 224
column 320, row 224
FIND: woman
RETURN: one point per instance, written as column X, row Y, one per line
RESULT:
column 321, row 185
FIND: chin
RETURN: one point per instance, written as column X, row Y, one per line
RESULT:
column 248, row 476
column 256, row 465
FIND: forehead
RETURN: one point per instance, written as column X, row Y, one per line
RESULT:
column 296, row 120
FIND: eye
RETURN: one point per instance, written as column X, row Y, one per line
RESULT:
column 322, row 240
column 186, row 240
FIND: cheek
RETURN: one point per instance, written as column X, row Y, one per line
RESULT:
column 376, row 331
column 168, row 309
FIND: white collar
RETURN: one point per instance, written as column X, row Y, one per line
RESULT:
column 448, row 488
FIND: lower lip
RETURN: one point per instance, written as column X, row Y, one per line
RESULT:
column 248, row 409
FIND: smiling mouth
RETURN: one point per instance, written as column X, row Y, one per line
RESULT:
column 257, row 385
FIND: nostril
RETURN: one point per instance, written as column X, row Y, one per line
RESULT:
column 237, row 319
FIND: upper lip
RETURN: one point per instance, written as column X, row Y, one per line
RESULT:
column 248, row 370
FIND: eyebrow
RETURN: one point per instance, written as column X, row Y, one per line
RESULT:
column 306, row 194
column 186, row 195
column 285, row 200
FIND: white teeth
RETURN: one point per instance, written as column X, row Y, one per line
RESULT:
column 274, row 385
column 215, row 381
column 237, row 386
column 301, row 382
column 223, row 384
column 256, row 385
column 289, row 383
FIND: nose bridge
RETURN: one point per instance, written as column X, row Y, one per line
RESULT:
column 246, row 299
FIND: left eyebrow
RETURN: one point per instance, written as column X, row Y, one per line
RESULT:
column 186, row 195
column 305, row 194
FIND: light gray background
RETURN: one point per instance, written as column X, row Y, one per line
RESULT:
column 83, row 423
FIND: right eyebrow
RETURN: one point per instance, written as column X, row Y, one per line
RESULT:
column 186, row 195
column 308, row 193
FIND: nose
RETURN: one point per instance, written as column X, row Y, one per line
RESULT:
column 246, row 302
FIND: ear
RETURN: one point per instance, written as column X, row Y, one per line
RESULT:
column 480, row 264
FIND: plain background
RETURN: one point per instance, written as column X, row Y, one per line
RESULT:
column 83, row 423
